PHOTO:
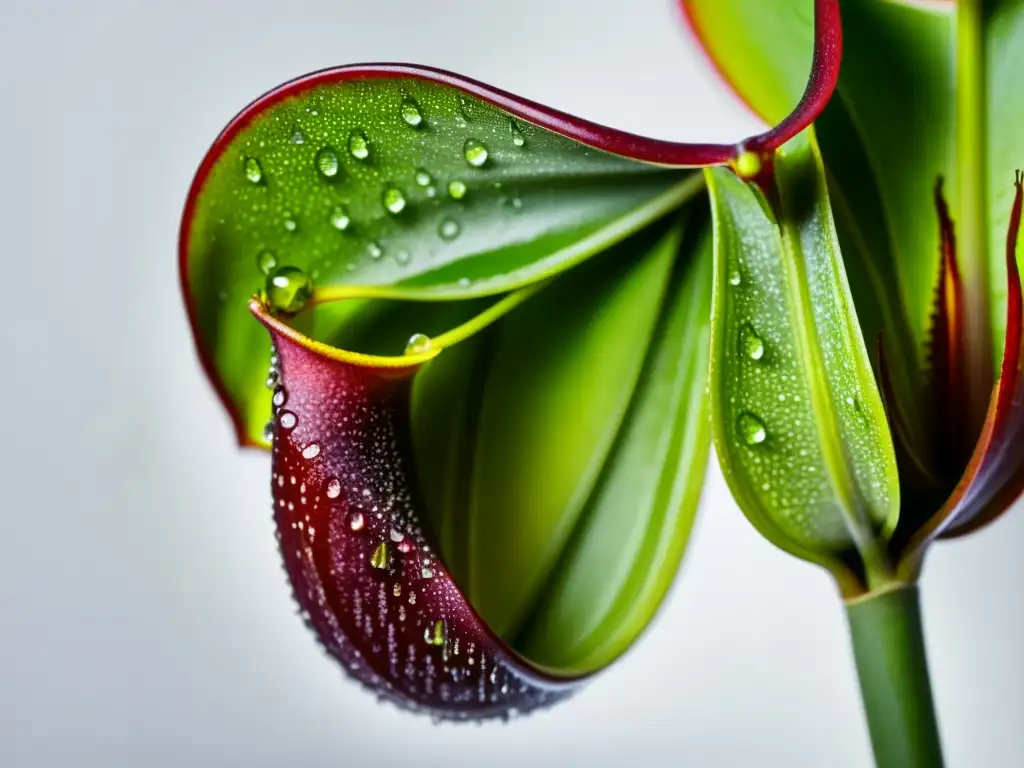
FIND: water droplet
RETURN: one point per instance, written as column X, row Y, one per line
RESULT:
column 396, row 535
column 426, row 573
column 750, row 343
column 466, row 107
column 475, row 152
column 333, row 488
column 288, row 289
column 411, row 112
column 356, row 521
column 268, row 431
column 280, row 396
column 752, row 429
column 381, row 556
column 290, row 224
column 423, row 177
column 403, row 257
column 253, row 170
column 358, row 145
column 464, row 282
column 734, row 278
column 404, row 546
column 435, row 634
column 327, row 162
column 394, row 200
column 456, row 189
column 266, row 261
column 418, row 344
column 518, row 139
column 298, row 138
column 374, row 250
column 448, row 229
column 311, row 451
column 288, row 420
column 340, row 219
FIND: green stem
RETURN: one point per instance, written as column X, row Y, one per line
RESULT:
column 888, row 646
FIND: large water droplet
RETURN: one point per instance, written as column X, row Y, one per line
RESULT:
column 394, row 200
column 456, row 189
column 327, row 162
column 340, row 219
column 475, row 152
column 288, row 289
column 311, row 451
column 751, row 429
column 448, row 229
column 266, row 261
column 253, row 170
column 751, row 344
column 381, row 556
column 411, row 112
column 418, row 344
column 518, row 139
column 423, row 177
column 288, row 420
column 358, row 145
column 435, row 634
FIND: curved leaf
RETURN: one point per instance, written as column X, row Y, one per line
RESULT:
column 559, row 382
column 798, row 421
column 627, row 545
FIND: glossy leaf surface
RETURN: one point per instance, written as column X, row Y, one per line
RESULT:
column 394, row 181
column 799, row 426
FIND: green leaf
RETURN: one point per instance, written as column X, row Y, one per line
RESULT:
column 625, row 551
column 403, row 183
column 562, row 374
column 798, row 421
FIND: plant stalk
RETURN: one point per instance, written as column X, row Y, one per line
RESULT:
column 888, row 646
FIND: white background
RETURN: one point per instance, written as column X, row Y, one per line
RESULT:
column 144, row 617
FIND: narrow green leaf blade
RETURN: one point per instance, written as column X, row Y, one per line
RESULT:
column 562, row 375
column 798, row 421
column 626, row 550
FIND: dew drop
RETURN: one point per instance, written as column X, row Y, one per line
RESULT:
column 456, row 189
column 288, row 420
column 750, row 343
column 411, row 112
column 290, row 224
column 311, row 451
column 418, row 344
column 288, row 289
column 426, row 573
column 327, row 162
column 381, row 556
column 358, row 145
column 448, row 229
column 423, row 178
column 396, row 535
column 356, row 521
column 475, row 152
column 518, row 139
column 403, row 257
column 751, row 429
column 394, row 200
column 266, row 261
column 268, row 431
column 734, row 278
column 435, row 634
column 333, row 488
column 280, row 396
column 374, row 250
column 298, row 138
column 340, row 219
column 253, row 170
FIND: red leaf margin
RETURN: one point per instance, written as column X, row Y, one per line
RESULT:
column 822, row 80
